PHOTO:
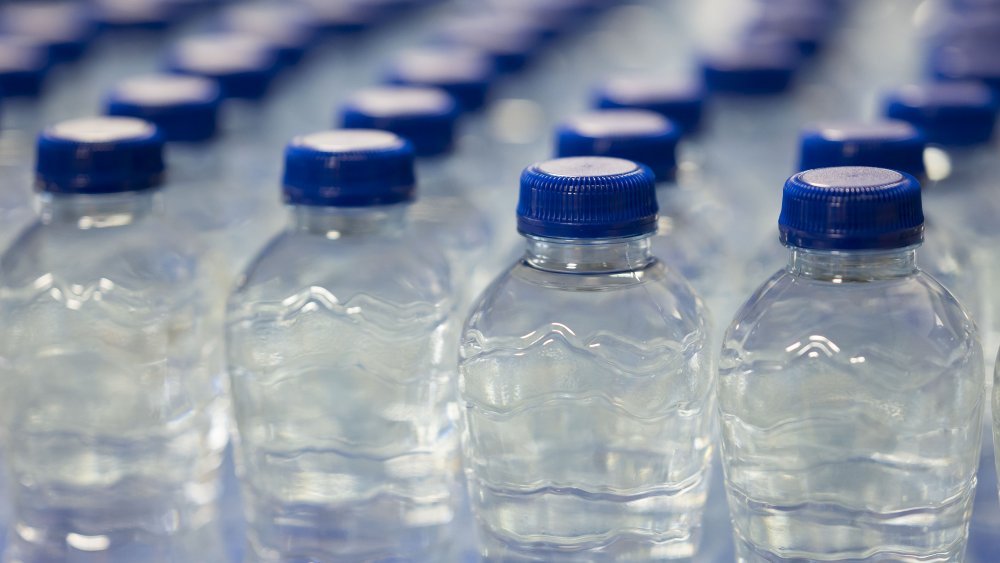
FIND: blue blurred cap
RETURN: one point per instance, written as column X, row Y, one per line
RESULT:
column 134, row 14
column 24, row 65
column 510, row 42
column 349, row 168
column 344, row 16
column 64, row 29
column 751, row 69
column 947, row 113
column 424, row 116
column 99, row 155
column 851, row 208
column 638, row 135
column 287, row 28
column 896, row 145
column 184, row 108
column 587, row 198
column 466, row 74
column 682, row 102
column 243, row 65
column 979, row 62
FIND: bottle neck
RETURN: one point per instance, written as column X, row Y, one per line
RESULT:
column 853, row 266
column 340, row 222
column 589, row 256
column 97, row 211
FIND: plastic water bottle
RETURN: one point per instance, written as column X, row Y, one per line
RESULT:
column 229, row 219
column 114, row 422
column 686, row 237
column 445, row 212
column 895, row 145
column 339, row 338
column 586, row 380
column 851, row 386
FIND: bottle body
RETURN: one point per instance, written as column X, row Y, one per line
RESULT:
column 114, row 410
column 586, row 385
column 341, row 357
column 850, row 390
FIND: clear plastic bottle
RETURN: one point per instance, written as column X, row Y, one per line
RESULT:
column 341, row 355
column 851, row 386
column 586, row 380
column 447, row 211
column 114, row 422
column 203, row 197
column 687, row 237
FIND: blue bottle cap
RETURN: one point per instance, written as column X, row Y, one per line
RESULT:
column 851, row 208
column 287, row 28
column 349, row 168
column 133, row 14
column 243, row 65
column 682, row 102
column 510, row 42
column 466, row 74
column 755, row 68
column 978, row 62
column 631, row 134
column 99, row 155
column 184, row 108
column 587, row 198
column 23, row 67
column 345, row 16
column 885, row 144
column 63, row 29
column 805, row 28
column 424, row 116
column 947, row 113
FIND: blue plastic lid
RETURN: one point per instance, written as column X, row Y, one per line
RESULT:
column 184, row 108
column 99, row 155
column 64, row 29
column 466, row 74
column 755, row 68
column 979, row 62
column 424, row 116
column 885, row 144
column 344, row 16
column 287, row 28
column 805, row 26
column 134, row 14
column 682, row 102
column 587, row 198
column 510, row 42
column 947, row 113
column 851, row 208
column 631, row 134
column 23, row 67
column 349, row 168
column 242, row 64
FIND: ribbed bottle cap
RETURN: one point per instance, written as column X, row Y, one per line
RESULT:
column 978, row 62
column 287, row 28
column 466, row 74
column 508, row 41
column 23, row 67
column 884, row 144
column 947, row 113
column 424, row 116
column 134, row 14
column 632, row 134
column 851, row 208
column 349, row 168
column 97, row 155
column 184, row 108
column 243, row 65
column 63, row 29
column 587, row 198
column 343, row 16
column 682, row 102
column 751, row 69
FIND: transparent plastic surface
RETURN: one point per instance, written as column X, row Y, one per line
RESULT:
column 851, row 394
column 342, row 358
column 586, row 381
column 113, row 408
